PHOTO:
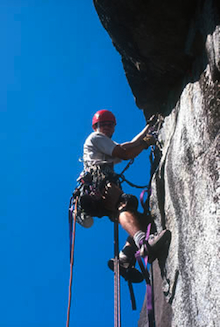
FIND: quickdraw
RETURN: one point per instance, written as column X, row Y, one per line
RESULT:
column 156, row 123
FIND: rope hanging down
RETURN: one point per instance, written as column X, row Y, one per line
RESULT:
column 117, row 295
column 72, row 243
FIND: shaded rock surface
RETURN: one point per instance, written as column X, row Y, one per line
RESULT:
column 152, row 38
column 171, row 56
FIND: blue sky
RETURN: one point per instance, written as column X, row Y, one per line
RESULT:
column 58, row 67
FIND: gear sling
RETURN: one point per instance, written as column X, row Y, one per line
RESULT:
column 89, row 192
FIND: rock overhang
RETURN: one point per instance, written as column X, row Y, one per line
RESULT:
column 151, row 37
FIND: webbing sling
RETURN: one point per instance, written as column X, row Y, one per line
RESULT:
column 143, row 266
column 148, row 190
column 132, row 297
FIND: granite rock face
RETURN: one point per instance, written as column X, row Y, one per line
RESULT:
column 171, row 55
column 185, row 199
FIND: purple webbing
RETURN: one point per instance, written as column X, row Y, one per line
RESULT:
column 142, row 196
column 149, row 298
column 146, row 238
column 137, row 254
column 145, row 273
column 149, row 288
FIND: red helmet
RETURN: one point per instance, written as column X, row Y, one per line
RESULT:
column 103, row 115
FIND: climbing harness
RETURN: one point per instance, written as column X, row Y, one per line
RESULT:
column 89, row 190
column 92, row 180
column 72, row 225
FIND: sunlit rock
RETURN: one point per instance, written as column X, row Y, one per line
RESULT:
column 171, row 55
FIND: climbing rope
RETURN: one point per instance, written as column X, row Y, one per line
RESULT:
column 126, row 167
column 73, row 234
column 123, row 179
column 117, row 295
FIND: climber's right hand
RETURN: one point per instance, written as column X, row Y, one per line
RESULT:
column 148, row 140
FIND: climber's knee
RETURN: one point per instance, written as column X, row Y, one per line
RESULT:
column 128, row 202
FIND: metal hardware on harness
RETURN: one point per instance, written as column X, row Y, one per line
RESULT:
column 155, row 130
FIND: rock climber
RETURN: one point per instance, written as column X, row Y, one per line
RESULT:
column 100, row 155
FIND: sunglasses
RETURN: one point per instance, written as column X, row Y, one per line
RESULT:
column 106, row 123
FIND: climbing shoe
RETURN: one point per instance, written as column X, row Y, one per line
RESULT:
column 127, row 271
column 155, row 245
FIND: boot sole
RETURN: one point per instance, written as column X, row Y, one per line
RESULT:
column 130, row 274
